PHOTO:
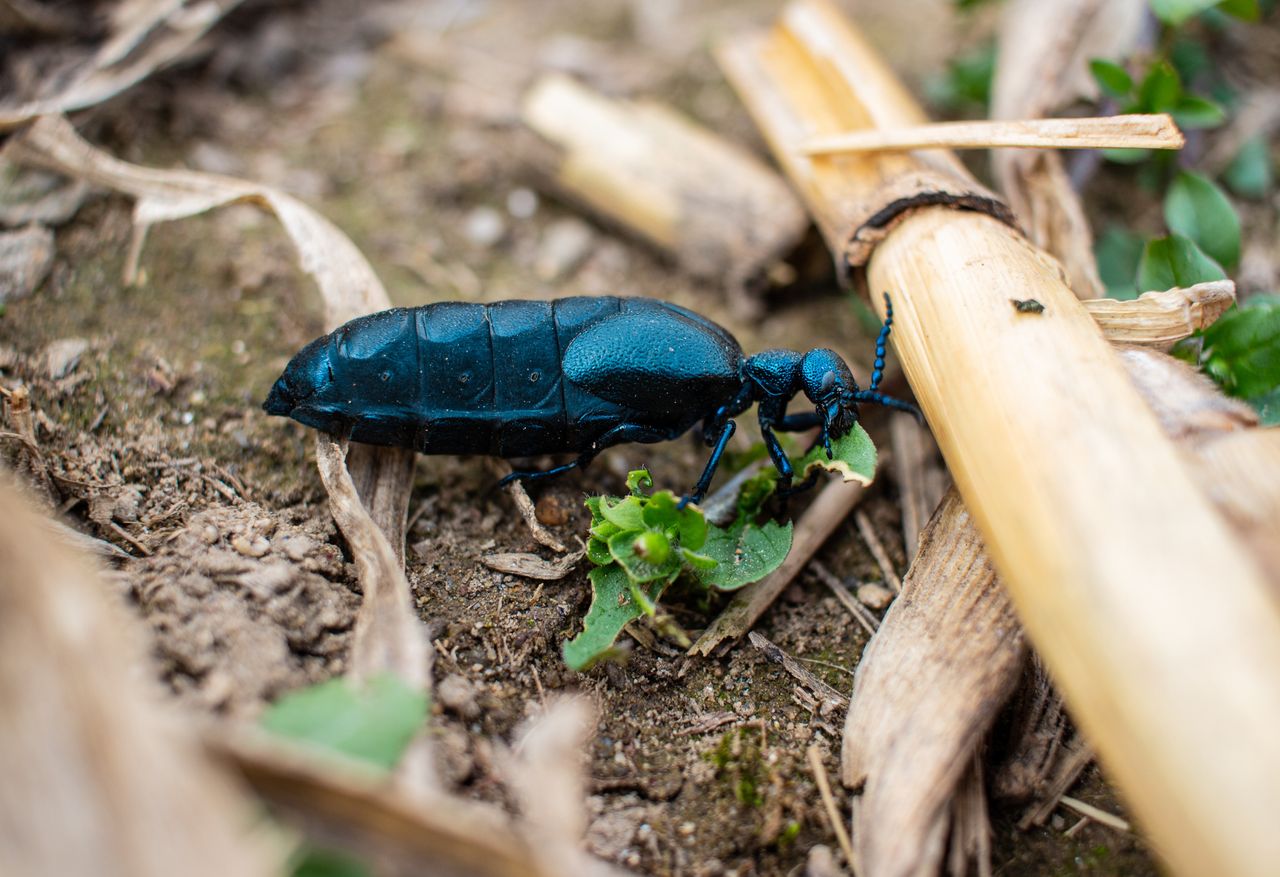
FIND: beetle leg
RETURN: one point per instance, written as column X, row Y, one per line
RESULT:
column 538, row 474
column 700, row 489
column 798, row 422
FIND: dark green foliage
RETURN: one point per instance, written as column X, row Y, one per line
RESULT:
column 1241, row 351
column 1196, row 208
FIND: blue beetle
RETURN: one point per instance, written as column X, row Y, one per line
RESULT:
column 525, row 378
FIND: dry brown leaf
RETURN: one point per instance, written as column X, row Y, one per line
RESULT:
column 144, row 35
column 346, row 281
column 531, row 566
column 98, row 779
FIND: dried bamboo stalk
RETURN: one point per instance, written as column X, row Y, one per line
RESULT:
column 1135, row 131
column 1101, row 535
column 1041, row 66
column 98, row 778
column 921, row 478
column 719, row 211
column 954, row 633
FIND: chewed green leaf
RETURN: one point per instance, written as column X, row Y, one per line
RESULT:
column 1175, row 261
column 1196, row 208
column 745, row 553
column 638, row 481
column 625, row 514
column 622, row 546
column 852, row 455
column 373, row 722
column 612, row 607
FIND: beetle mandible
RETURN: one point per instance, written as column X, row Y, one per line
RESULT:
column 526, row 378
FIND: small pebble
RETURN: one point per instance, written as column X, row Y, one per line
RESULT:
column 298, row 547
column 565, row 244
column 484, row 226
column 456, row 694
column 256, row 547
column 874, row 596
column 522, row 203
column 62, row 356
column 550, row 511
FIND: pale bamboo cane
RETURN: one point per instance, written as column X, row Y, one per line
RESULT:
column 1104, row 541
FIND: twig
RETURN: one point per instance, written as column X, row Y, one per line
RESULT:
column 1069, row 770
column 1102, row 817
column 802, row 674
column 860, row 613
column 877, row 551
column 527, row 511
column 1137, row 131
column 1078, row 827
column 829, row 805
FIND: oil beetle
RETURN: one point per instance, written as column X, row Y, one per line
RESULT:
column 525, row 378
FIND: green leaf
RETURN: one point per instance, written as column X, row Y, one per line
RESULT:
column 1249, row 174
column 373, row 723
column 1192, row 111
column 697, row 561
column 1126, row 156
column 1245, row 10
column 1268, row 407
column 1160, row 91
column 1196, row 208
column 612, row 607
column 1242, row 349
column 1175, row 12
column 745, row 553
column 662, row 564
column 598, row 551
column 638, row 481
column 625, row 514
column 313, row 861
column 1175, row 261
column 853, row 456
column 1118, row 251
column 1113, row 79
column 967, row 81
column 660, row 510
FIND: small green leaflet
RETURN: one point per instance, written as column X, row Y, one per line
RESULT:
column 1249, row 174
column 1175, row 261
column 1196, row 208
column 745, row 554
column 1242, row 349
column 374, row 723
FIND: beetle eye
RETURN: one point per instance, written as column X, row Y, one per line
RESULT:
column 828, row 381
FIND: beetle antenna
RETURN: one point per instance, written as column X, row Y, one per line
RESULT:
column 877, row 371
column 889, row 402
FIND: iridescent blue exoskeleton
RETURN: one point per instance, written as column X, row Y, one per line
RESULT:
column 575, row 375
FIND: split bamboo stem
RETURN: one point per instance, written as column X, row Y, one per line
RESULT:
column 1137, row 131
column 1103, row 539
column 718, row 210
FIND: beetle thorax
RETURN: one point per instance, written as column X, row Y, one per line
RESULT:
column 774, row 373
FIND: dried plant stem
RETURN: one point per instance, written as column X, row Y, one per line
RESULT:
column 860, row 613
column 1161, row 319
column 1155, row 131
column 834, row 819
column 1102, row 817
column 800, row 673
column 881, row 556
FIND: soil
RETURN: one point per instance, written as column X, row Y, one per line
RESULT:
column 156, row 443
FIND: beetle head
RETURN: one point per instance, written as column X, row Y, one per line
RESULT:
column 830, row 386
column 306, row 375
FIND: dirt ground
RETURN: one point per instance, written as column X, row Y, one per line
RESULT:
column 154, row 435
